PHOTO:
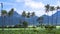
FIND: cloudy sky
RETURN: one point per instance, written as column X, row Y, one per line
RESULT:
column 36, row 6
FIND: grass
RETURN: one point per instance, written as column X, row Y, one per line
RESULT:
column 37, row 30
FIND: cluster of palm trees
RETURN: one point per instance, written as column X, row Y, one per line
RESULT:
column 28, row 15
column 47, row 9
column 51, row 8
column 4, row 13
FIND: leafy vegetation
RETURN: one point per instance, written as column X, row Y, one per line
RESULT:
column 29, row 31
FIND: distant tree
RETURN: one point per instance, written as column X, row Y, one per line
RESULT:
column 24, row 15
column 40, row 20
column 3, row 14
column 49, row 8
column 28, row 15
column 25, row 24
column 18, row 26
column 10, row 13
column 57, row 7
column 52, row 8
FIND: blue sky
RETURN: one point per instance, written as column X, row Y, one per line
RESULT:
column 36, row 6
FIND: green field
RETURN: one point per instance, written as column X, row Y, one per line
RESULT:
column 37, row 30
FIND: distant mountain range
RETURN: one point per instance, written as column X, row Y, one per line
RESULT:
column 16, row 18
column 54, row 19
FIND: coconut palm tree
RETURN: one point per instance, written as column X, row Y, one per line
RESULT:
column 33, row 14
column 40, row 20
column 47, row 7
column 3, row 14
column 24, row 15
column 57, row 7
column 10, row 13
column 28, row 15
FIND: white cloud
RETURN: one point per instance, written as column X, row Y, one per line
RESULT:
column 37, row 13
column 39, row 6
column 33, row 4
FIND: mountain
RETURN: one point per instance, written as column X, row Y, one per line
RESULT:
column 12, row 20
column 53, row 20
column 56, row 18
column 15, row 19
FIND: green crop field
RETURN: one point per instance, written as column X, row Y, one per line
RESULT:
column 37, row 30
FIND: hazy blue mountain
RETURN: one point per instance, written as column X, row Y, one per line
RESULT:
column 53, row 20
column 15, row 19
column 56, row 18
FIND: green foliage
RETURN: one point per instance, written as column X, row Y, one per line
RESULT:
column 57, row 7
column 47, row 7
column 11, row 12
column 33, row 14
column 28, row 14
column 49, row 27
column 24, row 14
column 52, row 8
column 25, row 24
column 4, row 12
column 17, row 26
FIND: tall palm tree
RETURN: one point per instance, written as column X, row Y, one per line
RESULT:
column 10, row 13
column 24, row 15
column 47, row 7
column 40, row 20
column 33, row 14
column 57, row 7
column 51, row 9
column 3, row 14
column 28, row 15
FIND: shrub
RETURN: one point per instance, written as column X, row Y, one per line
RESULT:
column 25, row 24
column 49, row 27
